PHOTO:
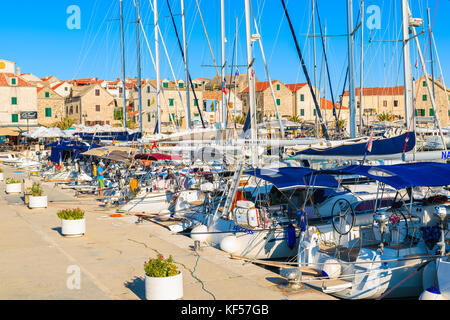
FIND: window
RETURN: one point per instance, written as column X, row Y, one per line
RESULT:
column 431, row 112
column 278, row 102
column 196, row 103
column 424, row 97
column 165, row 85
column 148, row 102
column 149, row 118
column 148, row 89
column 395, row 103
column 48, row 112
column 196, row 86
column 15, row 117
column 171, row 102
column 76, row 109
column 97, row 108
column 422, row 112
column 302, row 112
column 315, row 112
column 302, row 97
column 384, row 103
column 278, row 87
column 13, row 81
column 47, row 94
column 424, row 83
column 97, row 92
column 181, row 85
column 14, row 100
column 66, row 89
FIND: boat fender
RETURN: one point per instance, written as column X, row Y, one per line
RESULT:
column 291, row 236
column 301, row 220
column 202, row 229
column 432, row 293
column 229, row 244
column 331, row 269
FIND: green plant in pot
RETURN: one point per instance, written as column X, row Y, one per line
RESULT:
column 163, row 280
column 12, row 181
column 36, row 198
column 73, row 222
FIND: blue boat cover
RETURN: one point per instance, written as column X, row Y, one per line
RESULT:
column 380, row 146
column 77, row 147
column 293, row 177
column 109, row 136
column 400, row 176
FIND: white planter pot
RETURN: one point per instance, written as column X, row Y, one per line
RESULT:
column 168, row 288
column 37, row 202
column 1, row 176
column 73, row 228
column 14, row 188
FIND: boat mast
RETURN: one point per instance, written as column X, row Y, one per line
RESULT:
column 124, row 89
column 351, row 66
column 251, row 88
column 315, row 61
column 158, row 75
column 408, row 78
column 138, row 45
column 186, row 68
column 223, row 62
column 361, row 80
column 431, row 52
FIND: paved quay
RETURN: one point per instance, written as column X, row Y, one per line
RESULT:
column 37, row 262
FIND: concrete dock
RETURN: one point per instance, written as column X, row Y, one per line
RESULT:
column 39, row 263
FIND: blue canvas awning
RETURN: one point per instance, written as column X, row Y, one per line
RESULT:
column 76, row 147
column 400, row 176
column 293, row 177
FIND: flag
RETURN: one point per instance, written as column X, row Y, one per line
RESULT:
column 153, row 101
column 224, row 89
column 237, row 73
column 214, row 86
column 370, row 143
column 154, row 145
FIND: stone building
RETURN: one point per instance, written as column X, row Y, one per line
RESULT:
column 265, row 106
column 91, row 105
column 16, row 95
column 50, row 106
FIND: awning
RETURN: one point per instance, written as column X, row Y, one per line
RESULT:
column 293, row 177
column 8, row 132
column 103, row 151
column 400, row 176
column 157, row 157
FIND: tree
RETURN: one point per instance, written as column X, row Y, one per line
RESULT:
column 64, row 124
column 385, row 117
column 295, row 118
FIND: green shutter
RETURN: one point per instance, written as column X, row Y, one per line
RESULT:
column 13, row 81
column 47, row 94
column 48, row 112
column 149, row 118
column 14, row 100
column 148, row 102
column 431, row 112
column 181, row 85
column 302, row 97
column 315, row 111
column 278, row 87
column 302, row 112
column 424, row 83
column 278, row 102
column 415, row 112
column 15, row 117
column 424, row 97
column 195, row 103
column 171, row 102
column 165, row 85
column 423, row 112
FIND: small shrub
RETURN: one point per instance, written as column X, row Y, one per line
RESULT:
column 12, row 181
column 70, row 214
column 36, row 190
column 160, row 267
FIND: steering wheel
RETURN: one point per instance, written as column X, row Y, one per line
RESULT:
column 342, row 216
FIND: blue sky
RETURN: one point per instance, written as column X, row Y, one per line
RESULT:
column 35, row 35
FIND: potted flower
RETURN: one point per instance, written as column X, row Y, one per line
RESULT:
column 73, row 222
column 13, row 186
column 37, row 198
column 163, row 280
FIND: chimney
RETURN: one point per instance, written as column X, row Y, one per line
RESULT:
column 18, row 71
